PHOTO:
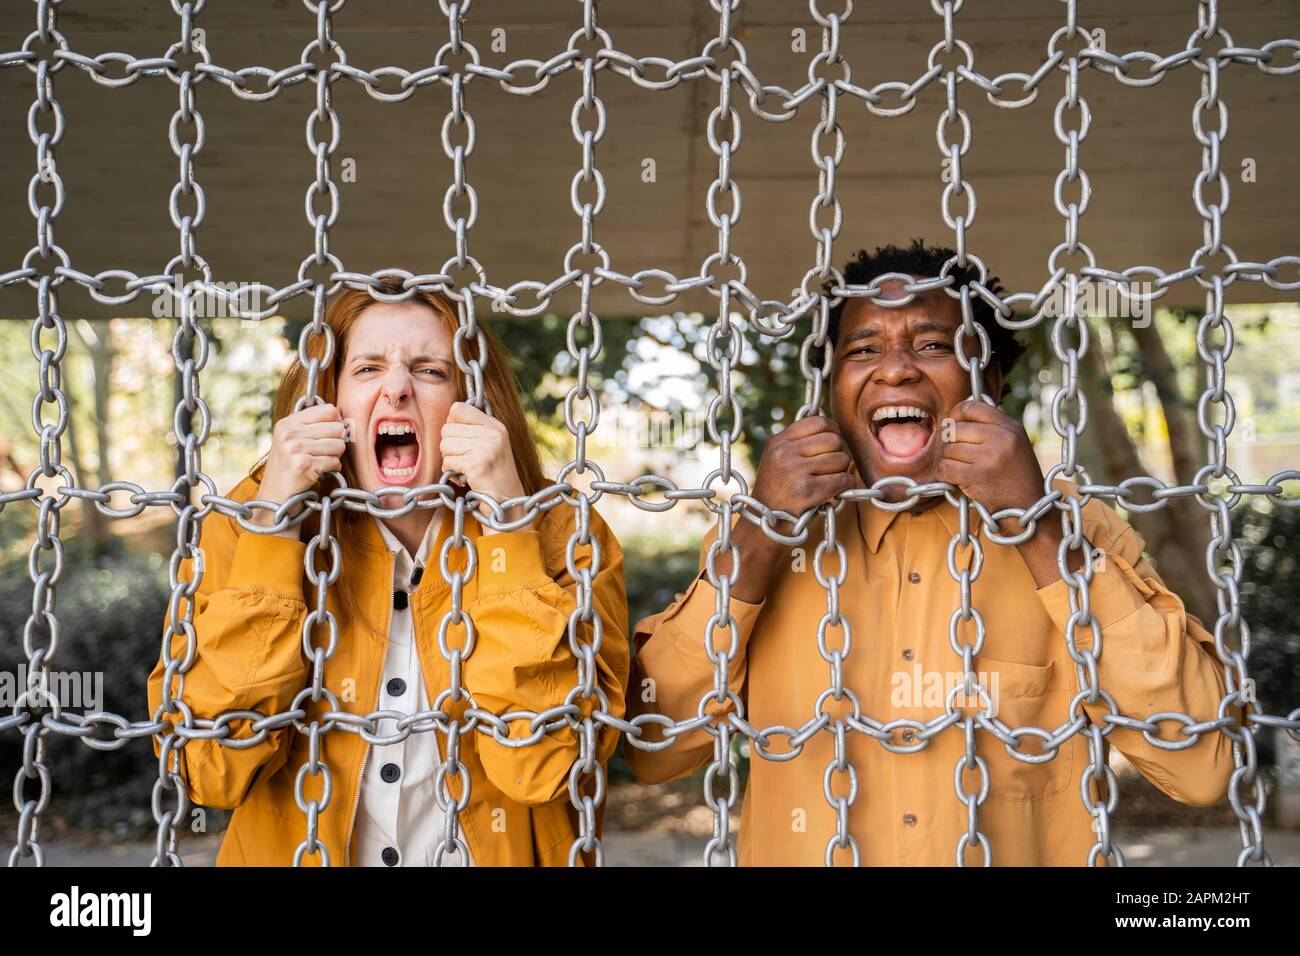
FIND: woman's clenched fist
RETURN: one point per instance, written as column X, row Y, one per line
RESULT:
column 304, row 446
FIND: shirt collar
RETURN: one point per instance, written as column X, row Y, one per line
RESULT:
column 395, row 546
column 873, row 522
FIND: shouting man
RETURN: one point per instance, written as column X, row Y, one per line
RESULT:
column 900, row 406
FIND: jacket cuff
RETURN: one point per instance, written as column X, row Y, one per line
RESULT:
column 269, row 562
column 510, row 561
column 692, row 617
column 1115, row 593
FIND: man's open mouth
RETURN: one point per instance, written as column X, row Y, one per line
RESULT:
column 397, row 451
column 903, row 432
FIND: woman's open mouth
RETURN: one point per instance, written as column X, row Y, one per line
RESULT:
column 902, row 432
column 397, row 450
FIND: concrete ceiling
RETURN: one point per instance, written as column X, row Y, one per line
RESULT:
column 1141, row 155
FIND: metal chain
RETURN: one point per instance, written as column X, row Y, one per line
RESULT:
column 323, row 545
column 724, row 346
column 723, row 60
column 459, row 572
column 952, row 153
column 587, row 775
column 1096, row 778
column 186, row 136
column 816, row 376
column 1223, row 558
column 35, row 702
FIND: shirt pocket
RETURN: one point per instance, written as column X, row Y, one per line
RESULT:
column 1024, row 695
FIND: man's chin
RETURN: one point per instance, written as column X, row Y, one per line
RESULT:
column 919, row 472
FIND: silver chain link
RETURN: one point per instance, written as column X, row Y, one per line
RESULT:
column 45, row 126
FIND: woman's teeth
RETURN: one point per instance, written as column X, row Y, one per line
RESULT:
column 397, row 450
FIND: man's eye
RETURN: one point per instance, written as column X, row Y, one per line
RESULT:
column 862, row 349
column 939, row 345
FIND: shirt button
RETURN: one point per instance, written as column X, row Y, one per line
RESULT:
column 416, row 575
column 907, row 654
column 399, row 600
column 909, row 819
column 914, row 578
column 390, row 772
column 397, row 687
column 389, row 856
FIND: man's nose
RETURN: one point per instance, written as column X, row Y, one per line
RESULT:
column 896, row 367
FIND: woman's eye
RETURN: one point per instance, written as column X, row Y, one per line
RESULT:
column 370, row 368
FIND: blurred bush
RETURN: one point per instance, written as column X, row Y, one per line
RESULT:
column 110, row 611
column 1269, row 536
column 655, row 569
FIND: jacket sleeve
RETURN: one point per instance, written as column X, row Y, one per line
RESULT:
column 1155, row 657
column 248, row 614
column 672, row 673
column 522, row 660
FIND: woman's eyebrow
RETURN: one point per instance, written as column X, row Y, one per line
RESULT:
column 380, row 357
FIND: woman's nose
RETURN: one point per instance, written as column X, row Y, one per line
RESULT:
column 396, row 387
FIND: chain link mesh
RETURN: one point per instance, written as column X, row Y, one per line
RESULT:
column 591, row 52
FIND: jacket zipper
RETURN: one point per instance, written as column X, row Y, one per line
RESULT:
column 432, row 694
column 365, row 758
column 429, row 689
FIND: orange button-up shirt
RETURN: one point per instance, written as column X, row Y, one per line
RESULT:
column 898, row 598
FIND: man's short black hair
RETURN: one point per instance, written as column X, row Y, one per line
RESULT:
column 924, row 261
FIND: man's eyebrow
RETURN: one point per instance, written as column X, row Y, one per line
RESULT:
column 380, row 357
column 865, row 332
column 929, row 325
column 920, row 328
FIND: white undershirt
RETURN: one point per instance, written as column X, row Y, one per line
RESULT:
column 401, row 815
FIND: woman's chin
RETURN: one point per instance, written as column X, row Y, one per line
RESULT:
column 374, row 480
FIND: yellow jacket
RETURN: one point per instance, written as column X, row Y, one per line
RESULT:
column 248, row 615
column 899, row 598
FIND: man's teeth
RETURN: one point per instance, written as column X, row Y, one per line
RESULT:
column 395, row 428
column 397, row 472
column 899, row 411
